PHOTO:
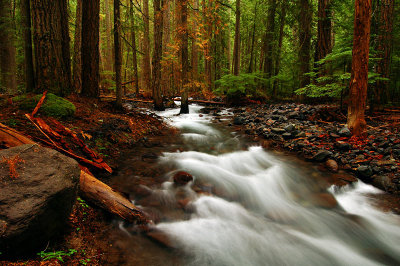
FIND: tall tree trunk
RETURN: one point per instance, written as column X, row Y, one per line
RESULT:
column 7, row 48
column 384, row 49
column 51, row 42
column 108, row 54
column 359, row 69
column 157, row 54
column 183, row 46
column 236, row 45
column 146, row 69
column 27, row 30
column 253, row 39
column 270, row 39
column 166, row 68
column 90, row 48
column 324, row 34
column 278, row 55
column 117, row 53
column 229, row 45
column 305, row 19
column 134, row 55
column 77, row 57
column 195, row 50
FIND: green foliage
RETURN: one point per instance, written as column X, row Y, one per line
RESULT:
column 56, row 254
column 53, row 105
column 242, row 85
column 82, row 203
column 84, row 261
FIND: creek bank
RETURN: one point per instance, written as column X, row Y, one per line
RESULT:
column 319, row 134
column 109, row 132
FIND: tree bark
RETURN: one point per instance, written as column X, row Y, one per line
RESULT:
column 134, row 54
column 52, row 50
column 90, row 48
column 77, row 57
column 324, row 33
column 195, row 50
column 384, row 50
column 117, row 53
column 236, row 45
column 183, row 46
column 108, row 55
column 278, row 55
column 146, row 69
column 166, row 69
column 27, row 31
column 359, row 70
column 270, row 39
column 157, row 54
column 8, row 71
column 305, row 19
column 253, row 39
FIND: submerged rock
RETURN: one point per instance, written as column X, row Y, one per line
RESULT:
column 332, row 165
column 35, row 205
column 181, row 178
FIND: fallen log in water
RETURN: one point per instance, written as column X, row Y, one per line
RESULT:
column 91, row 188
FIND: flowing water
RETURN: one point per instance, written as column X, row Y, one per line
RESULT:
column 248, row 206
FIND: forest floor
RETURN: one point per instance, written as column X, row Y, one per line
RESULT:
column 110, row 132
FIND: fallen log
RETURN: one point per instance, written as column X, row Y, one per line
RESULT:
column 104, row 197
column 106, row 97
column 150, row 101
column 91, row 188
column 11, row 138
column 202, row 101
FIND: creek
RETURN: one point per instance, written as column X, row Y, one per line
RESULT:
column 249, row 206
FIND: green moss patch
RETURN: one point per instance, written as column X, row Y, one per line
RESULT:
column 53, row 105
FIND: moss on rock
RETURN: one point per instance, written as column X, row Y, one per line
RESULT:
column 53, row 105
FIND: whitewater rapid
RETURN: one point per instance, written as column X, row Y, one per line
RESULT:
column 261, row 209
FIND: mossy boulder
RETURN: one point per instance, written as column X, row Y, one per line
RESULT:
column 53, row 105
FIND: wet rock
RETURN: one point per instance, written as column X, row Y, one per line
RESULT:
column 346, row 177
column 290, row 128
column 332, row 165
column 383, row 182
column 238, row 120
column 343, row 146
column 344, row 132
column 321, row 155
column 35, row 206
column 364, row 171
column 181, row 178
column 287, row 135
column 279, row 131
column 293, row 115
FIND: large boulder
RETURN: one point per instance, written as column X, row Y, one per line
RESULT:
column 36, row 200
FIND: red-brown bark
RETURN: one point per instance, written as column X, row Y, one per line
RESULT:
column 359, row 70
